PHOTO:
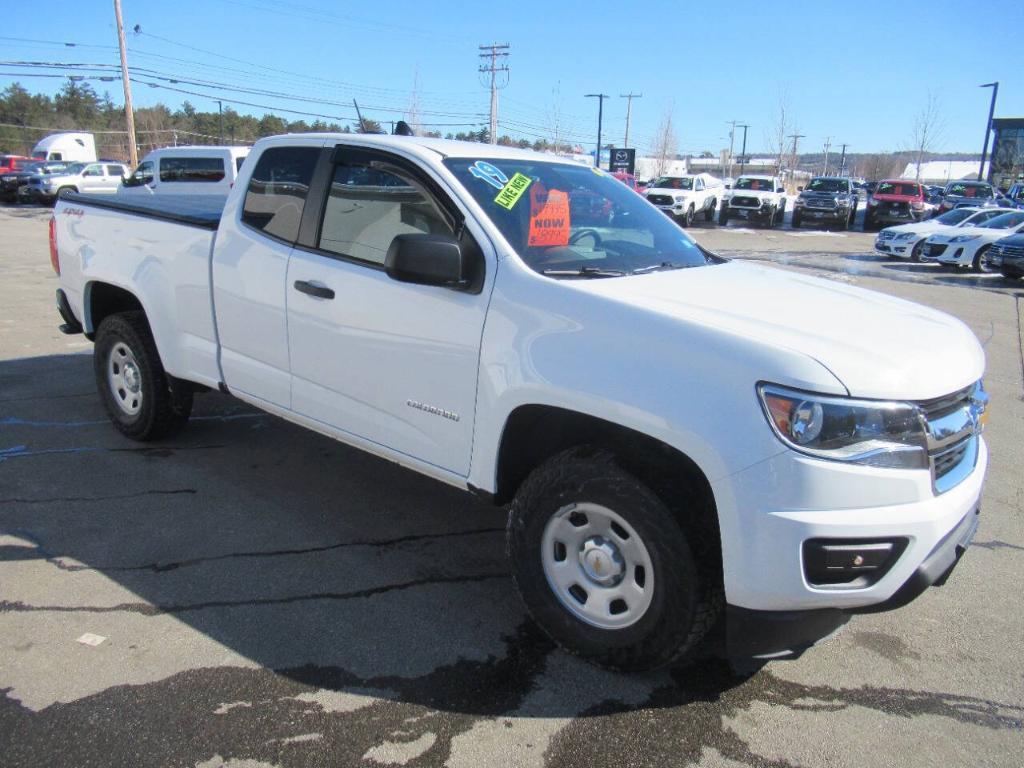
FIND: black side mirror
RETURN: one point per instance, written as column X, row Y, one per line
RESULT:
column 427, row 260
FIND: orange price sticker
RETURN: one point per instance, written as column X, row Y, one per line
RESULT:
column 549, row 218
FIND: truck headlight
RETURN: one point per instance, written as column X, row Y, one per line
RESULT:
column 874, row 433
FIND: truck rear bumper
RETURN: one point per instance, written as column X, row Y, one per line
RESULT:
column 787, row 634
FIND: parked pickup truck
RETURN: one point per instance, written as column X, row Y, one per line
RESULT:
column 760, row 199
column 827, row 199
column 696, row 450
column 683, row 197
column 896, row 202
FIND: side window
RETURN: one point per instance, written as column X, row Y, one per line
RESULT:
column 115, row 170
column 369, row 204
column 56, row 156
column 277, row 191
column 201, row 169
column 700, row 185
column 144, row 173
column 93, row 170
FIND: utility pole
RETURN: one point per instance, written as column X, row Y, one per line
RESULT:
column 743, row 152
column 842, row 161
column 828, row 145
column 220, row 123
column 133, row 150
column 988, row 129
column 494, row 52
column 792, row 163
column 629, row 109
column 600, row 114
column 732, row 135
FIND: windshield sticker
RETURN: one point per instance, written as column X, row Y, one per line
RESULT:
column 512, row 191
column 490, row 174
column 549, row 218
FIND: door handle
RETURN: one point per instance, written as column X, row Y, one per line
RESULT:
column 312, row 289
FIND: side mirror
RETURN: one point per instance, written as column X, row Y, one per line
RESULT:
column 728, row 186
column 427, row 260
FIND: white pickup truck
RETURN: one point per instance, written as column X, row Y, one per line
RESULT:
column 699, row 453
column 683, row 197
column 760, row 199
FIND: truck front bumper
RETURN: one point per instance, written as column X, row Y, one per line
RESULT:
column 770, row 513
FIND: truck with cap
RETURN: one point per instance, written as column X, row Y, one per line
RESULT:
column 696, row 452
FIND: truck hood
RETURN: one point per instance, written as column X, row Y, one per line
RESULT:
column 896, row 198
column 876, row 345
column 668, row 191
column 760, row 194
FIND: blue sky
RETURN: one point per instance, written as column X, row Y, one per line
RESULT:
column 856, row 72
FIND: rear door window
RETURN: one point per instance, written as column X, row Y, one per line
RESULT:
column 115, row 170
column 277, row 191
column 195, row 169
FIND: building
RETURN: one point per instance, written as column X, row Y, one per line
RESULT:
column 943, row 171
column 1007, row 152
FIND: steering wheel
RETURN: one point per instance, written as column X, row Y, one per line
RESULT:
column 588, row 232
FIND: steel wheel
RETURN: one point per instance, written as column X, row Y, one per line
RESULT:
column 125, row 378
column 597, row 566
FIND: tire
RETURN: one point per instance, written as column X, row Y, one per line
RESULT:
column 688, row 217
column 709, row 212
column 65, row 191
column 682, row 599
column 916, row 251
column 978, row 265
column 131, row 381
column 795, row 223
column 723, row 216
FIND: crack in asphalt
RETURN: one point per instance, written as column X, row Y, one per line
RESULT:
column 21, row 451
column 996, row 544
column 148, row 609
column 44, row 553
column 111, row 497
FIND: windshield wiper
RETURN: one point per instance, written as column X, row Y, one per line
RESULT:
column 583, row 271
column 658, row 267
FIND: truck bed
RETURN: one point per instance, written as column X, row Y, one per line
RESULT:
column 194, row 210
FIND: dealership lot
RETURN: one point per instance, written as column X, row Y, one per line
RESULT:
column 259, row 593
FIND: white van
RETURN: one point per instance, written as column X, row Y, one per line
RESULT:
column 66, row 147
column 186, row 171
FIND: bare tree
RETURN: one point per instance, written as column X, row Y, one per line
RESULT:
column 781, row 127
column 665, row 142
column 927, row 130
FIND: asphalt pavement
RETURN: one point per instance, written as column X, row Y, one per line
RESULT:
column 252, row 594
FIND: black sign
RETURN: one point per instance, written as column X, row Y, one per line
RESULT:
column 623, row 160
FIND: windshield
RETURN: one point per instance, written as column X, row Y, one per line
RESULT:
column 1006, row 221
column 828, row 185
column 673, row 182
column 755, row 184
column 888, row 188
column 573, row 220
column 955, row 216
column 74, row 169
column 969, row 190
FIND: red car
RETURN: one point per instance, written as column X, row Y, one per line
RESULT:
column 629, row 180
column 896, row 201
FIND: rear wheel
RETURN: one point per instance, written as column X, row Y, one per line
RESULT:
column 604, row 566
column 131, row 381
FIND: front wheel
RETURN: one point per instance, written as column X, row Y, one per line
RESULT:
column 688, row 217
column 723, row 215
column 709, row 212
column 795, row 223
column 979, row 264
column 604, row 567
column 131, row 381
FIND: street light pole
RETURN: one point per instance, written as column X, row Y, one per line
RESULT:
column 988, row 127
column 600, row 115
column 743, row 152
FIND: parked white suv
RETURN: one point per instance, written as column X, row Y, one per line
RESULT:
column 967, row 248
column 101, row 178
column 760, row 199
column 683, row 197
column 907, row 240
column 186, row 171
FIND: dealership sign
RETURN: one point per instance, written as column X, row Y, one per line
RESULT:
column 622, row 160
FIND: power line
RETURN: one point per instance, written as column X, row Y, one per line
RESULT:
column 494, row 52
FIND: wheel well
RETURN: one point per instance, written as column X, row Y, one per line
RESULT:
column 103, row 300
column 535, row 433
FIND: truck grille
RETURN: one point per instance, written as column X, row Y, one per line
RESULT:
column 953, row 427
column 821, row 203
column 745, row 202
column 660, row 199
